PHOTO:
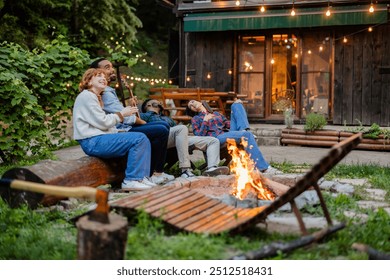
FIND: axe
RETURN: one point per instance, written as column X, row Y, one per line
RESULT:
column 100, row 214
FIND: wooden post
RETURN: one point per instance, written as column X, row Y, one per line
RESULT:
column 99, row 241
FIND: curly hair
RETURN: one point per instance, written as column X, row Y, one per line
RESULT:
column 88, row 75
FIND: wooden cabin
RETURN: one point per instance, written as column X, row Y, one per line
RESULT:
column 330, row 57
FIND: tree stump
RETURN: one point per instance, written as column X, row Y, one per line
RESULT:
column 99, row 241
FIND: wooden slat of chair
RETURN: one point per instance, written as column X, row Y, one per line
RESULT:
column 235, row 221
column 194, row 214
column 212, row 216
column 162, row 202
column 138, row 199
column 176, row 209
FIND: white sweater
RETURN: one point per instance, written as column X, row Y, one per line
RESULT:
column 89, row 119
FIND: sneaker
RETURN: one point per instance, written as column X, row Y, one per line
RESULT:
column 168, row 176
column 147, row 181
column 187, row 174
column 215, row 171
column 272, row 171
column 135, row 186
column 158, row 179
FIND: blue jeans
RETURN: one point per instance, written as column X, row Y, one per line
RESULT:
column 238, row 118
column 157, row 132
column 135, row 146
column 238, row 124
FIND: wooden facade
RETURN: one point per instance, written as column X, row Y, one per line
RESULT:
column 350, row 87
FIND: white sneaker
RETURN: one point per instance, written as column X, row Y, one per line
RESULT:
column 215, row 171
column 187, row 174
column 135, row 186
column 148, row 182
column 272, row 171
column 168, row 176
column 158, row 179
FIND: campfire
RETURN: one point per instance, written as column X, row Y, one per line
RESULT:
column 248, row 178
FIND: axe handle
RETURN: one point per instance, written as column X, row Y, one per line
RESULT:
column 76, row 192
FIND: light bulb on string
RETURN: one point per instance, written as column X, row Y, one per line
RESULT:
column 371, row 9
column 209, row 76
column 345, row 39
column 237, row 3
column 262, row 8
column 370, row 29
column 293, row 10
column 328, row 10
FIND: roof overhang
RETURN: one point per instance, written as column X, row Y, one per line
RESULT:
column 281, row 18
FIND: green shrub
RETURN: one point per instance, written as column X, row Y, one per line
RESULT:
column 314, row 122
column 37, row 90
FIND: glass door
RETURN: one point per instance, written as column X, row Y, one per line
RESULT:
column 284, row 73
column 316, row 58
column 251, row 73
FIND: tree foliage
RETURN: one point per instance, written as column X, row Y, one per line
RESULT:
column 90, row 25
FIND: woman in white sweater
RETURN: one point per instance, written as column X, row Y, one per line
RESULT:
column 96, row 132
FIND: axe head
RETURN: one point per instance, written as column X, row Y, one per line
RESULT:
column 100, row 214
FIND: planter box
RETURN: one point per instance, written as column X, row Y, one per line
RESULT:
column 327, row 138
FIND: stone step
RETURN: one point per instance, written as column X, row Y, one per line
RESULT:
column 267, row 136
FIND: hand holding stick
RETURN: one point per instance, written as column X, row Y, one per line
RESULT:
column 133, row 99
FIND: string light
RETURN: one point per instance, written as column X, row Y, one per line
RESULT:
column 328, row 10
column 209, row 76
column 293, row 10
column 371, row 9
column 237, row 3
column 370, row 29
column 262, row 8
column 345, row 39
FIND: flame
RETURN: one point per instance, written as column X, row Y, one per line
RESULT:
column 248, row 178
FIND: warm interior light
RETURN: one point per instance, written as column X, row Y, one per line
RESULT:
column 292, row 12
column 262, row 9
column 345, row 40
column 237, row 3
column 370, row 29
column 328, row 13
column 272, row 61
column 209, row 76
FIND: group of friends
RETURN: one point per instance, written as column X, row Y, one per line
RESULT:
column 105, row 128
